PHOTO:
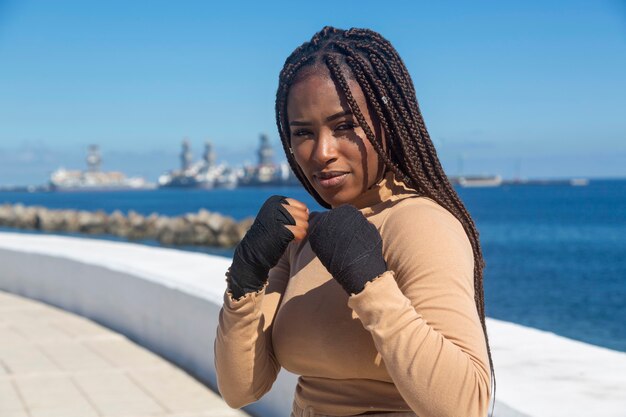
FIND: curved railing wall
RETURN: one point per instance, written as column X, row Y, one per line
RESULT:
column 168, row 301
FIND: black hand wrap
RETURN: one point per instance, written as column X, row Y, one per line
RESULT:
column 348, row 246
column 261, row 247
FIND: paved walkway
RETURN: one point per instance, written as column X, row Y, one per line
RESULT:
column 56, row 364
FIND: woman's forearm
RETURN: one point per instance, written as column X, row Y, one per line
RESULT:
column 435, row 376
column 244, row 358
column 246, row 367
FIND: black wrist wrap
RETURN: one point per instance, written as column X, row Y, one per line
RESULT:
column 261, row 248
column 349, row 246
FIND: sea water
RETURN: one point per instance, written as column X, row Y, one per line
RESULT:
column 555, row 254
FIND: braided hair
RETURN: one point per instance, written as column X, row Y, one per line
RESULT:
column 366, row 57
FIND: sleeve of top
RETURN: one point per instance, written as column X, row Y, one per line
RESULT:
column 422, row 315
column 244, row 358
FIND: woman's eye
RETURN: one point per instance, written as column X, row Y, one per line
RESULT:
column 301, row 133
column 346, row 126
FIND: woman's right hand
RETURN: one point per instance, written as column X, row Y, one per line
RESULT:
column 300, row 213
column 279, row 221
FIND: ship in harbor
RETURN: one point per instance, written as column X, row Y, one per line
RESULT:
column 473, row 181
column 205, row 174
column 94, row 179
column 266, row 172
column 480, row 181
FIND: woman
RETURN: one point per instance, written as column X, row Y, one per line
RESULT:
column 378, row 302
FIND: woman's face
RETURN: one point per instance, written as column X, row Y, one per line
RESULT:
column 328, row 144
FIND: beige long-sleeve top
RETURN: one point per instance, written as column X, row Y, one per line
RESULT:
column 411, row 340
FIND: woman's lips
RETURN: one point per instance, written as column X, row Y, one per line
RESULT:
column 331, row 180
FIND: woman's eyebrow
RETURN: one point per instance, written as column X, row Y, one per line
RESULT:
column 328, row 119
column 297, row 123
column 337, row 115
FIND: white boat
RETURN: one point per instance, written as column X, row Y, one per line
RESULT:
column 93, row 179
column 481, row 181
column 579, row 182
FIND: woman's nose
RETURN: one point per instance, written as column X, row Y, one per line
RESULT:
column 325, row 150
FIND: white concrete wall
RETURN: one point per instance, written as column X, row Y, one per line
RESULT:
column 168, row 300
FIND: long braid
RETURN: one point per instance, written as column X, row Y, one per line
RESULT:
column 432, row 169
column 401, row 101
column 369, row 59
column 399, row 75
column 336, row 71
column 433, row 173
column 372, row 92
column 403, row 129
column 366, row 86
column 398, row 86
column 416, row 148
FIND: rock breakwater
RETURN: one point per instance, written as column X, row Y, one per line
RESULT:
column 203, row 228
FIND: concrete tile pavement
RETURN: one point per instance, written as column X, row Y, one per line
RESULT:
column 56, row 364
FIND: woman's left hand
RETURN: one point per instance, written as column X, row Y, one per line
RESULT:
column 349, row 246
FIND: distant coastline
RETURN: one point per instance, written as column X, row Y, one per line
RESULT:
column 454, row 180
column 206, row 174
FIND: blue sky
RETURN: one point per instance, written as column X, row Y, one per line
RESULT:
column 535, row 88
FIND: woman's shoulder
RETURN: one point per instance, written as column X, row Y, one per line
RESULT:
column 420, row 210
column 422, row 224
column 422, row 241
